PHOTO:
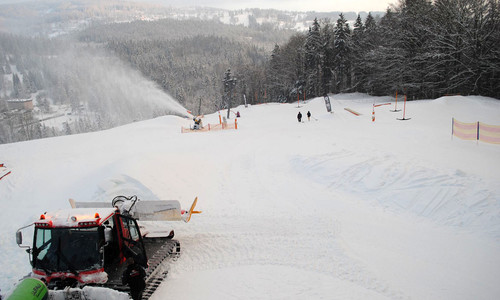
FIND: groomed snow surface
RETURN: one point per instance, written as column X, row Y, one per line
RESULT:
column 338, row 207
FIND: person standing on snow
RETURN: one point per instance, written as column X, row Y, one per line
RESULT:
column 308, row 116
column 134, row 276
column 299, row 117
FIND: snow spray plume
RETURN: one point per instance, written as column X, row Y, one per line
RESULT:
column 111, row 89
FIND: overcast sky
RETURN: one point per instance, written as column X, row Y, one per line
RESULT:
column 295, row 5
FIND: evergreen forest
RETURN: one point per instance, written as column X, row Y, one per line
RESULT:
column 111, row 74
column 420, row 48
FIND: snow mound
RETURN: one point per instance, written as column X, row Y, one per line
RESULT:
column 335, row 207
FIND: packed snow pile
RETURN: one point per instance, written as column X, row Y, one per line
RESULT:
column 88, row 292
column 334, row 207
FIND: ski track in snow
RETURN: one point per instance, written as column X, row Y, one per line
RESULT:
column 293, row 240
column 447, row 198
column 339, row 208
column 294, row 243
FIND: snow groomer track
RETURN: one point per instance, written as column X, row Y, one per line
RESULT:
column 163, row 252
column 159, row 263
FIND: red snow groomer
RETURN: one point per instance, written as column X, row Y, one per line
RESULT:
column 88, row 244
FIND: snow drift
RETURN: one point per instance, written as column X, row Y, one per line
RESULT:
column 338, row 207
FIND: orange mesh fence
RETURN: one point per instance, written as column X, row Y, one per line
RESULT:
column 229, row 125
column 489, row 133
column 212, row 127
column 476, row 131
column 464, row 131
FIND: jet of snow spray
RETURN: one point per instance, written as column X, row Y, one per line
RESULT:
column 112, row 88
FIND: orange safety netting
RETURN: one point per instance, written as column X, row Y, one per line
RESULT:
column 212, row 127
column 489, row 133
column 464, row 131
column 476, row 131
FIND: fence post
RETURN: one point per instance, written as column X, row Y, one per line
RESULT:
column 477, row 141
column 452, row 127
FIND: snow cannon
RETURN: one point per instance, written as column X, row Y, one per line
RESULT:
column 29, row 289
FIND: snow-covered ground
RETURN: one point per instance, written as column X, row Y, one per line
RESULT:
column 338, row 207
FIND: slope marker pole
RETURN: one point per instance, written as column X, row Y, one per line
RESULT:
column 396, row 104
column 404, row 112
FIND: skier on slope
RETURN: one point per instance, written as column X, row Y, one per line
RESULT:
column 299, row 117
column 308, row 116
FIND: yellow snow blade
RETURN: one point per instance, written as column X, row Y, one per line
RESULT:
column 192, row 211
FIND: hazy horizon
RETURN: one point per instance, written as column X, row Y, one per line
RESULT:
column 289, row 5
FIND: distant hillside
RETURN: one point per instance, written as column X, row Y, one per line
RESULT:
column 52, row 18
column 107, row 63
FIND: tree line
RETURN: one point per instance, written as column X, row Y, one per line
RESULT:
column 94, row 71
column 188, row 58
column 423, row 48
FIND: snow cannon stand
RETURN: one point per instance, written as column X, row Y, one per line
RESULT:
column 223, row 125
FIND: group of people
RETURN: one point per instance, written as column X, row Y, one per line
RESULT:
column 198, row 124
column 299, row 116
